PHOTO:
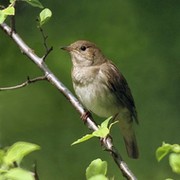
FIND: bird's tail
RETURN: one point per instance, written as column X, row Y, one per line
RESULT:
column 131, row 146
column 129, row 139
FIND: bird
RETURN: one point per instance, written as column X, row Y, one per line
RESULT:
column 103, row 90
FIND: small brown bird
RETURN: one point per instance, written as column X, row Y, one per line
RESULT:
column 103, row 90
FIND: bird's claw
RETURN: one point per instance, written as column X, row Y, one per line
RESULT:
column 85, row 116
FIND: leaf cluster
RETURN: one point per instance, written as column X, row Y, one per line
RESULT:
column 102, row 132
column 174, row 155
column 11, row 158
column 44, row 15
column 97, row 170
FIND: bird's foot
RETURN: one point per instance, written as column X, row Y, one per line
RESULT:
column 85, row 116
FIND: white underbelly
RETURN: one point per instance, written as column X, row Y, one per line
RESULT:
column 98, row 99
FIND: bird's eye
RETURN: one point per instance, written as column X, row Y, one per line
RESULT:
column 83, row 48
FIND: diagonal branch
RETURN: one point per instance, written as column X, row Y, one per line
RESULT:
column 107, row 142
column 27, row 82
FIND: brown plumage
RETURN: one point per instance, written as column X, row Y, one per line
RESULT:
column 103, row 90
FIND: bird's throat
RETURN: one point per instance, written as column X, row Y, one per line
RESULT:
column 84, row 76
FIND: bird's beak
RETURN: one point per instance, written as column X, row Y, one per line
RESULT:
column 66, row 48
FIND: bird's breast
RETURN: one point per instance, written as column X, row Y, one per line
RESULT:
column 94, row 94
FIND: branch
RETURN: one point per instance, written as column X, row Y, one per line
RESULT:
column 12, row 20
column 107, row 142
column 48, row 50
column 36, row 176
column 29, row 81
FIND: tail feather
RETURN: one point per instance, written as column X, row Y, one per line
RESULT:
column 131, row 146
column 126, row 127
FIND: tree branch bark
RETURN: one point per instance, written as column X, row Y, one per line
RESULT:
column 29, row 81
column 106, row 142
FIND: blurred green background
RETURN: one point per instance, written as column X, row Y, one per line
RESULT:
column 142, row 37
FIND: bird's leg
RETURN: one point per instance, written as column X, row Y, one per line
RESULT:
column 85, row 115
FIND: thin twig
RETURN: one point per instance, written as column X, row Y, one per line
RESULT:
column 13, row 27
column 27, row 82
column 48, row 50
column 44, row 38
column 47, row 53
column 12, row 20
column 107, row 142
column 36, row 176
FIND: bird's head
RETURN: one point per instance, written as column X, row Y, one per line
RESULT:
column 85, row 53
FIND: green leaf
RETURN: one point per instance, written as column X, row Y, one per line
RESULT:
column 12, row 1
column 2, row 153
column 84, row 138
column 2, row 17
column 162, row 151
column 17, row 151
column 97, row 167
column 5, row 12
column 174, row 161
column 34, row 3
column 9, row 11
column 98, row 177
column 110, row 126
column 104, row 130
column 176, row 148
column 101, row 132
column 106, row 122
column 19, row 174
column 44, row 16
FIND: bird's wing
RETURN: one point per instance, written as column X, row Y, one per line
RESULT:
column 118, row 85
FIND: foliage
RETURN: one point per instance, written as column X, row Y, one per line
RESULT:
column 97, row 170
column 44, row 15
column 7, row 12
column 102, row 132
column 174, row 155
column 34, row 3
column 11, row 158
